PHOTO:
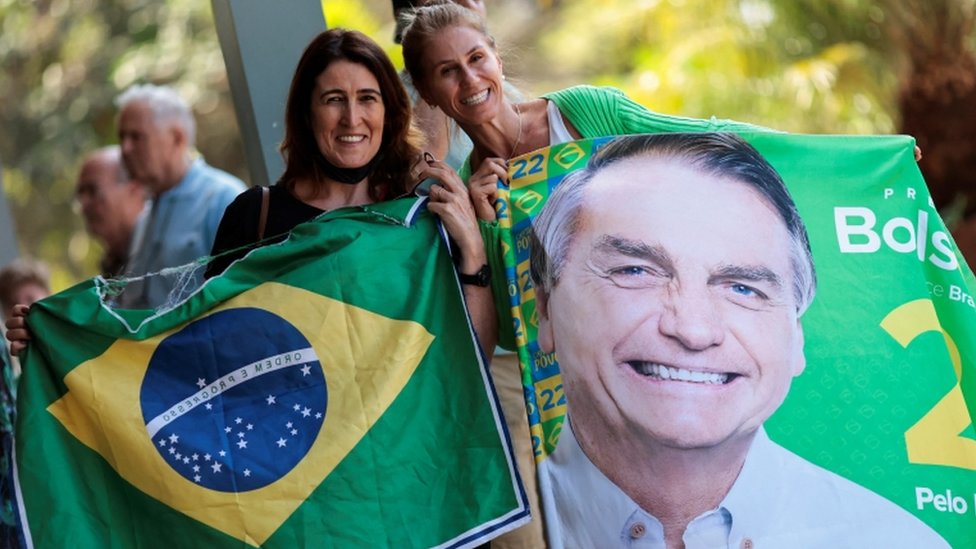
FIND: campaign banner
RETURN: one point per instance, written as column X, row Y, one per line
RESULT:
column 877, row 416
column 324, row 391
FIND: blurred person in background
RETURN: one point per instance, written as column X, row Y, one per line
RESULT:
column 110, row 203
column 23, row 281
column 157, row 136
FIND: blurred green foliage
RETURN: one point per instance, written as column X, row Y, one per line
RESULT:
column 63, row 64
column 742, row 59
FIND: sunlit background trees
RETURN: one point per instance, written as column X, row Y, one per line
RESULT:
column 819, row 66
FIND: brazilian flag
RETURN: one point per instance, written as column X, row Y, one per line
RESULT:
column 323, row 392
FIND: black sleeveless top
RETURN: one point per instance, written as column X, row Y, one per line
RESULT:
column 239, row 225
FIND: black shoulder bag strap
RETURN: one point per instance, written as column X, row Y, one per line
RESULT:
column 263, row 219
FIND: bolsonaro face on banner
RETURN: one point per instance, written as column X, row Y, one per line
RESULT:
column 675, row 298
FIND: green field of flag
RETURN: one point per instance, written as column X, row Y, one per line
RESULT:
column 325, row 391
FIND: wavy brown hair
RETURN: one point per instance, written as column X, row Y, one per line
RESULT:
column 401, row 142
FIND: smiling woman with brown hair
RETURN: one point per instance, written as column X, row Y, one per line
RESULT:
column 349, row 141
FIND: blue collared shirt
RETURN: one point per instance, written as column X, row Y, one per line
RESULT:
column 778, row 500
column 179, row 228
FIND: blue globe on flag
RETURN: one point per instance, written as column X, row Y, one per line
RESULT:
column 235, row 400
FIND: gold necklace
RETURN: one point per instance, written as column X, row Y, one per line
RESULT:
column 518, row 137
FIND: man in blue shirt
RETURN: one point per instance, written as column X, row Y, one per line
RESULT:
column 111, row 205
column 188, row 197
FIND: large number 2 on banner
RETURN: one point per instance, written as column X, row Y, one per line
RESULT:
column 935, row 438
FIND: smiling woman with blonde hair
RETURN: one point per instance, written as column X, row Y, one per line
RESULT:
column 454, row 62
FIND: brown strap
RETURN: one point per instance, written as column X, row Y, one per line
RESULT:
column 263, row 219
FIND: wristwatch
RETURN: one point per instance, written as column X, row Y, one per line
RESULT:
column 480, row 278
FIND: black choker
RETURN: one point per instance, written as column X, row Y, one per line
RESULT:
column 349, row 176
